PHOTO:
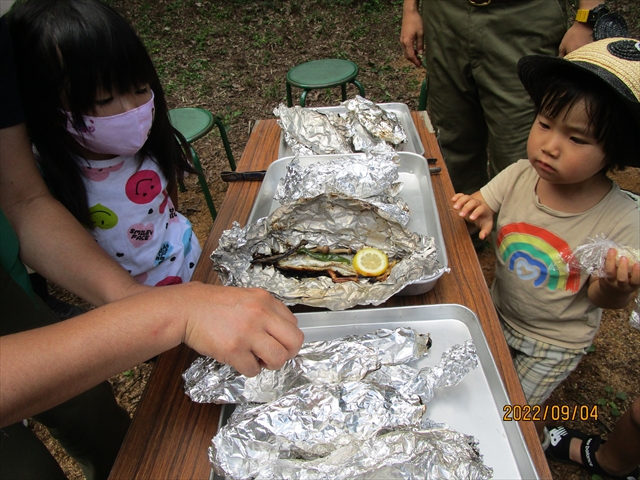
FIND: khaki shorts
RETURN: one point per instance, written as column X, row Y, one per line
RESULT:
column 541, row 367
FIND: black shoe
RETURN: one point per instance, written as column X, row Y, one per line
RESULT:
column 558, row 450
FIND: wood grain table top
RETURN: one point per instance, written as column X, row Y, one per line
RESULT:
column 170, row 434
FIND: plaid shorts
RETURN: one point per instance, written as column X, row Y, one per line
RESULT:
column 540, row 366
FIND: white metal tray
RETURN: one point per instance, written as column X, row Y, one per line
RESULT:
column 417, row 192
column 401, row 110
column 474, row 406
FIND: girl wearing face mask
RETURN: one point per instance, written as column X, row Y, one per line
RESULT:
column 98, row 119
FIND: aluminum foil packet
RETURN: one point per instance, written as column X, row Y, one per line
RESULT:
column 363, row 127
column 348, row 358
column 310, row 422
column 378, row 122
column 369, row 177
column 590, row 258
column 335, row 222
column 456, row 362
column 430, row 452
column 362, row 429
column 308, row 132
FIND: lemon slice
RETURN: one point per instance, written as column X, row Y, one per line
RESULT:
column 370, row 262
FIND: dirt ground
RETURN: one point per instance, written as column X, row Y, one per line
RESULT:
column 231, row 57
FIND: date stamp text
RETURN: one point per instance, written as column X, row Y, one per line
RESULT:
column 554, row 413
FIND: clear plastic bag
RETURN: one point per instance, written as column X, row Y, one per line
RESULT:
column 591, row 256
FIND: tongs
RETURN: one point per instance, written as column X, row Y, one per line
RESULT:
column 259, row 174
column 249, row 175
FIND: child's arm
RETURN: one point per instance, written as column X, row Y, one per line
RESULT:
column 52, row 242
column 475, row 210
column 618, row 287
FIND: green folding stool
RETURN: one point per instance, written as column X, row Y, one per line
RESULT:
column 193, row 124
column 325, row 73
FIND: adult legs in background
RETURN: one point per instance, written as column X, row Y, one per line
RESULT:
column 91, row 426
column 475, row 96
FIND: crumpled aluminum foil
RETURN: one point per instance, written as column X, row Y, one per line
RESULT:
column 349, row 429
column 375, row 120
column 308, row 132
column 364, row 176
column 325, row 220
column 348, row 358
column 590, row 258
column 454, row 365
column 428, row 452
column 363, row 127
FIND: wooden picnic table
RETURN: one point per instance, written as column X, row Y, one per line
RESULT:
column 170, row 434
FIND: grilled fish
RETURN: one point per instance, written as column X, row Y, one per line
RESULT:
column 305, row 263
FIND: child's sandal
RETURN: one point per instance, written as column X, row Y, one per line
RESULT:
column 558, row 450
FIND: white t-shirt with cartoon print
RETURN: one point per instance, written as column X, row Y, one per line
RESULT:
column 135, row 220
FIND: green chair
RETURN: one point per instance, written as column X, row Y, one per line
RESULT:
column 326, row 73
column 193, row 124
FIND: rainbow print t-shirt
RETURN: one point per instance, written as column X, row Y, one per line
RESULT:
column 538, row 256
column 536, row 290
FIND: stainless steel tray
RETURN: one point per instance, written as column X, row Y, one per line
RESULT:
column 417, row 192
column 413, row 144
column 474, row 406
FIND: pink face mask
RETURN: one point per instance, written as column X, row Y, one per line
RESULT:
column 122, row 134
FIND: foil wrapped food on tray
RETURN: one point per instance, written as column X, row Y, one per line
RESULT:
column 302, row 253
column 363, row 127
column 369, row 424
column 347, row 358
column 367, row 177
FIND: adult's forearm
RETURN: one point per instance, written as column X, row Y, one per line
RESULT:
column 41, row 368
column 52, row 242
column 246, row 328
column 589, row 4
column 410, row 6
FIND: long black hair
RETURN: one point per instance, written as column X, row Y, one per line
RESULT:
column 70, row 49
column 611, row 121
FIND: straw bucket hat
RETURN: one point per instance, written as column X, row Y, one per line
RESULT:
column 614, row 61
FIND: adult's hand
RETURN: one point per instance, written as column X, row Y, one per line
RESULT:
column 577, row 36
column 244, row 327
column 412, row 32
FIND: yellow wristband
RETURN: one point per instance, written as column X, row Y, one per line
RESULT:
column 582, row 16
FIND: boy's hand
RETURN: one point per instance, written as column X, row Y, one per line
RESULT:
column 621, row 278
column 474, row 210
column 616, row 289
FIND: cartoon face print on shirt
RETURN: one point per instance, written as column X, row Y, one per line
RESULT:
column 169, row 281
column 164, row 203
column 186, row 239
column 143, row 186
column 103, row 217
column 100, row 174
column 163, row 253
column 140, row 233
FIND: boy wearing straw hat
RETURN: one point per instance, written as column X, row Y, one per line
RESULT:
column 587, row 123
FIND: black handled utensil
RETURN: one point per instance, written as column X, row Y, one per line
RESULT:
column 248, row 176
